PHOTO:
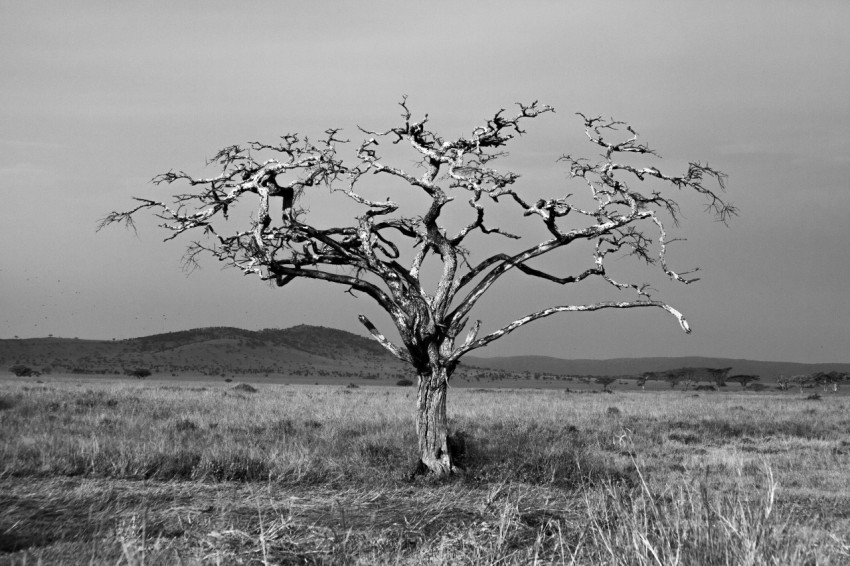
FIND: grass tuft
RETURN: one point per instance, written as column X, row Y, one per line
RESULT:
column 687, row 523
column 613, row 412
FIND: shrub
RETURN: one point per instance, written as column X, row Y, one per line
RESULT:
column 139, row 373
column 404, row 383
column 686, row 523
column 21, row 370
column 6, row 403
column 185, row 425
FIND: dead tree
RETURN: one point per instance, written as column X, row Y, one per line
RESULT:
column 382, row 253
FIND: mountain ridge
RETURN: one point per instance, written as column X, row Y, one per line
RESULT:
column 632, row 366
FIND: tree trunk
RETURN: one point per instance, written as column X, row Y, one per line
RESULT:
column 432, row 425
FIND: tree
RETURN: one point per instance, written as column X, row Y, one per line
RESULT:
column 801, row 380
column 382, row 253
column 675, row 377
column 605, row 381
column 744, row 380
column 690, row 375
column 716, row 376
column 831, row 379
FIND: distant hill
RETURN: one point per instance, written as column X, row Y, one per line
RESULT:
column 311, row 340
column 297, row 351
column 631, row 366
column 313, row 352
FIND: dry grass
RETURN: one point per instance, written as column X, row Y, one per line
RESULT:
column 126, row 472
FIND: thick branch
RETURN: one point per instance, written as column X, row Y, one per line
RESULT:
column 393, row 349
column 483, row 341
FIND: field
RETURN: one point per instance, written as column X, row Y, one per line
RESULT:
column 118, row 471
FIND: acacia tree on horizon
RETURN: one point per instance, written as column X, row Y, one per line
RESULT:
column 367, row 256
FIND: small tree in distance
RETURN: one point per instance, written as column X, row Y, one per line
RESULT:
column 744, row 380
column 605, row 381
column 383, row 252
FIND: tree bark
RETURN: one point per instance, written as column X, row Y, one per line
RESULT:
column 431, row 424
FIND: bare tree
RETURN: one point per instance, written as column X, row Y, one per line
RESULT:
column 368, row 256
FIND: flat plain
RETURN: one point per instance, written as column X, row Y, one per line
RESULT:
column 119, row 471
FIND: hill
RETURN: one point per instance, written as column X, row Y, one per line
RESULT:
column 313, row 353
column 300, row 351
column 630, row 366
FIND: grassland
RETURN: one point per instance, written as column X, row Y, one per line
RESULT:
column 104, row 471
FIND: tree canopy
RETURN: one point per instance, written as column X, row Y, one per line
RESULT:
column 382, row 251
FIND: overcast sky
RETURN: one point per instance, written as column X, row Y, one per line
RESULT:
column 97, row 97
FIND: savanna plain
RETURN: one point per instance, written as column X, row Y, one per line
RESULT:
column 122, row 471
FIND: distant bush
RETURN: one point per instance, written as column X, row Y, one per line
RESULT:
column 139, row 373
column 21, row 370
column 404, row 383
column 6, row 403
column 245, row 388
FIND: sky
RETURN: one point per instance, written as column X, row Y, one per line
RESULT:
column 98, row 97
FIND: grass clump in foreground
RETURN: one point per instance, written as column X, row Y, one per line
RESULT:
column 123, row 472
column 686, row 524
